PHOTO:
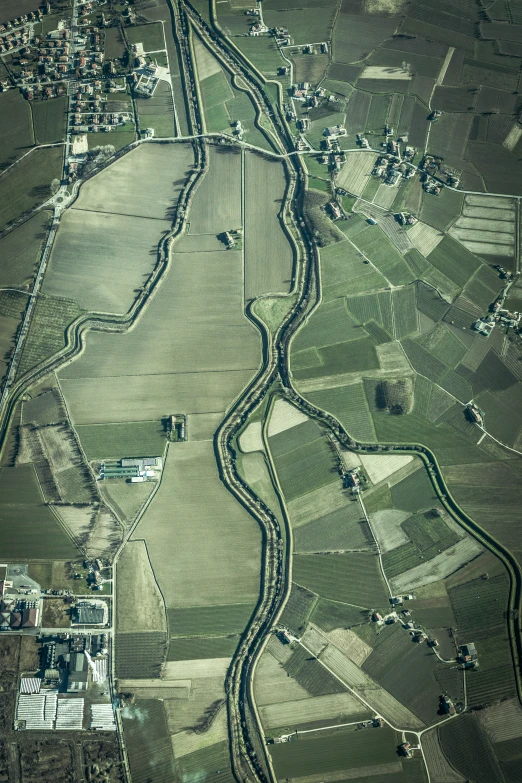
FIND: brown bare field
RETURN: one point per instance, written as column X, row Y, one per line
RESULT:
column 333, row 706
column 140, row 604
column 210, row 213
column 203, row 546
column 143, row 183
column 272, row 684
column 185, row 712
column 56, row 613
column 189, row 742
column 101, row 260
column 78, row 520
column 284, row 416
column 350, row 644
column 268, row 254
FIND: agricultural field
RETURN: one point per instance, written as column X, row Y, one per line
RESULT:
column 51, row 317
column 351, row 578
column 31, row 531
column 113, row 236
column 140, row 604
column 50, row 119
column 226, row 99
column 149, row 741
column 157, row 112
column 337, row 751
column 16, row 129
column 113, row 441
column 406, row 670
column 28, row 184
column 468, row 750
column 390, row 348
column 439, row 352
column 268, row 264
column 212, row 568
column 150, row 35
column 20, row 250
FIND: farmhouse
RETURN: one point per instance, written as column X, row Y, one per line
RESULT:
column 483, row 327
column 334, row 210
column 392, row 178
column 447, row 705
column 467, row 654
column 258, row 29
column 406, row 219
column 335, row 131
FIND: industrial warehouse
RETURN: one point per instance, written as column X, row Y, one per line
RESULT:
column 70, row 690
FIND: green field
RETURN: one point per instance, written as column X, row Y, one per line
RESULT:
column 30, row 530
column 454, row 260
column 215, row 89
column 468, row 749
column 430, row 534
column 16, row 132
column 20, row 250
column 297, row 609
column 414, row 493
column 50, row 118
column 28, row 184
column 406, row 670
column 330, row 752
column 114, row 44
column 382, row 253
column 479, row 606
column 113, row 441
column 353, row 356
column 209, row 620
column 344, row 528
column 331, row 614
column 305, row 468
column 441, row 211
column 309, row 673
column 329, row 322
column 148, row 742
column 353, row 578
column 349, row 405
column 210, row 764
column 401, row 559
column 157, row 112
column 182, row 649
column 262, row 53
column 150, row 35
column 121, row 137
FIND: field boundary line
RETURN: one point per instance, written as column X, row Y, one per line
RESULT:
column 379, row 553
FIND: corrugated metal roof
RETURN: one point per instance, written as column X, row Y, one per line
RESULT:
column 38, row 711
column 69, row 716
column 100, row 665
column 102, row 717
column 30, row 685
